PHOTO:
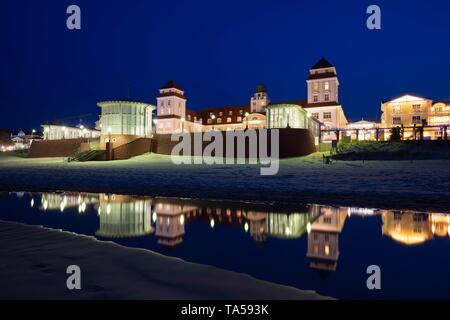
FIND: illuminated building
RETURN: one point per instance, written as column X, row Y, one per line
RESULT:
column 362, row 130
column 322, row 106
column 323, row 239
column 123, row 121
column 409, row 228
column 323, row 97
column 410, row 111
column 61, row 132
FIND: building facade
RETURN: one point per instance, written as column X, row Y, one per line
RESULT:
column 323, row 97
column 60, row 132
column 123, row 121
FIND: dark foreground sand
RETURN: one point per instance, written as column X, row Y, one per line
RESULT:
column 33, row 262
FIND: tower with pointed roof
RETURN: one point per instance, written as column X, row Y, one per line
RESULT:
column 171, row 108
column 260, row 99
column 323, row 84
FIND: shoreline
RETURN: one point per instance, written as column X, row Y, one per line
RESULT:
column 35, row 261
column 391, row 185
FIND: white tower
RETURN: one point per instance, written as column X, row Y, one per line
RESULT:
column 323, row 85
column 260, row 99
column 171, row 108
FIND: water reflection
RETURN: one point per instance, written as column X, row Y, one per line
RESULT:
column 166, row 218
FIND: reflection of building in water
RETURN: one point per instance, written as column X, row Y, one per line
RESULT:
column 257, row 225
column 124, row 216
column 406, row 227
column 323, row 238
column 170, row 221
column 291, row 226
column 63, row 201
column 440, row 224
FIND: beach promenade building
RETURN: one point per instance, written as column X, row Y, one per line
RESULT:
column 409, row 111
column 321, row 106
column 123, row 121
column 63, row 132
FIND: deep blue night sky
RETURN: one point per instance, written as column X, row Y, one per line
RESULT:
column 216, row 50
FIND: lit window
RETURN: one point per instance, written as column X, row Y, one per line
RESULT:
column 219, row 120
column 315, row 115
column 316, row 86
column 396, row 120
column 230, row 113
column 327, row 115
column 220, row 113
column 229, row 119
column 416, row 120
column 209, row 121
column 241, row 111
column 416, row 108
column 327, row 86
column 239, row 119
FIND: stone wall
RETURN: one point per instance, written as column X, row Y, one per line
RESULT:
column 56, row 148
column 292, row 143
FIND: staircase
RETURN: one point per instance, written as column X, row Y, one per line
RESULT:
column 86, row 155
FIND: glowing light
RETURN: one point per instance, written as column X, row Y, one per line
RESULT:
column 246, row 227
column 62, row 206
column 308, row 227
column 81, row 127
column 288, row 231
column 45, row 204
column 327, row 250
column 154, row 216
column 47, row 129
column 182, row 219
column 212, row 223
column 99, row 210
column 247, row 114
column 108, row 209
column 213, row 116
column 109, row 129
column 32, row 202
column 83, row 207
column 308, row 114
column 183, row 119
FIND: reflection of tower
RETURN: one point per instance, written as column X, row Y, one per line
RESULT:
column 124, row 216
column 323, row 239
column 409, row 228
column 440, row 224
column 257, row 225
column 169, row 223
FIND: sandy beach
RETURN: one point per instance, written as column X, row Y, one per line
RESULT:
column 416, row 185
column 34, row 261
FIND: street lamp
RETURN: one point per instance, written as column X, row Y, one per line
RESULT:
column 212, row 118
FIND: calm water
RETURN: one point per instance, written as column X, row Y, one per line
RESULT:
column 323, row 248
